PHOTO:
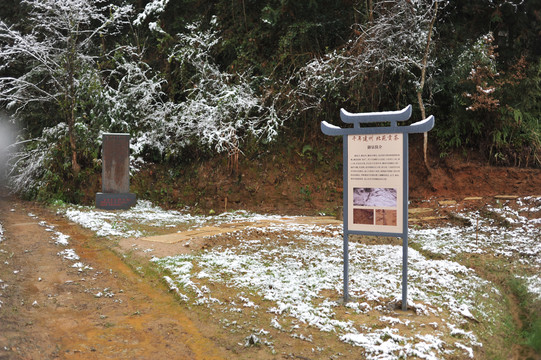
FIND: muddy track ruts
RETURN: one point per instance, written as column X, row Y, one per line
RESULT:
column 99, row 309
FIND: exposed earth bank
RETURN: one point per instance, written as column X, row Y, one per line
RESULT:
column 307, row 180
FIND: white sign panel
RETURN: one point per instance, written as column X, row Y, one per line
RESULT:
column 375, row 183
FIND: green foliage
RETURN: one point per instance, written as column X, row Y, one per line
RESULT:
column 534, row 335
column 309, row 152
column 306, row 193
column 298, row 62
column 492, row 110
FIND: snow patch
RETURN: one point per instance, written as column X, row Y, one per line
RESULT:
column 69, row 254
column 81, row 266
column 61, row 239
column 125, row 223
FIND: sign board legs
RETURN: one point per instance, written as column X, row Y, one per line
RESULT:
column 346, row 268
column 405, row 206
column 405, row 273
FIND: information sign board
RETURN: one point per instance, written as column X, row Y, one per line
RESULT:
column 376, row 179
column 375, row 183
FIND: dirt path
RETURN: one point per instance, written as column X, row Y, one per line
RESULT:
column 95, row 307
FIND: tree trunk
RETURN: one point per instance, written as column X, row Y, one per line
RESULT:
column 422, row 83
column 370, row 12
column 75, row 167
column 425, row 135
column 71, row 103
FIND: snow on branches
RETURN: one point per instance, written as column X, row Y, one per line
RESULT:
column 57, row 46
column 46, row 62
column 217, row 110
column 154, row 7
column 61, row 62
column 394, row 41
column 220, row 108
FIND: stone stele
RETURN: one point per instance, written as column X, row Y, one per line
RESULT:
column 115, row 190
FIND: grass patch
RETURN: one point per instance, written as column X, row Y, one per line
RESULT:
column 529, row 314
column 533, row 335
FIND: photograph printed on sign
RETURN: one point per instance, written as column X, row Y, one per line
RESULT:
column 386, row 217
column 378, row 197
column 363, row 216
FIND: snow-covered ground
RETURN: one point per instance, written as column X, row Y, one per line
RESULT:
column 510, row 233
column 294, row 273
column 144, row 219
column 293, row 276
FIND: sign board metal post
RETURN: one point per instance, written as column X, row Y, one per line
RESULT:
column 376, row 179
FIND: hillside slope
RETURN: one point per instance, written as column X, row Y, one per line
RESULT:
column 306, row 178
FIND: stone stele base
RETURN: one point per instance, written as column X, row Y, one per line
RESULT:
column 115, row 201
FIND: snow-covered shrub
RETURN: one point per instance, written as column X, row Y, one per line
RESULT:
column 50, row 67
column 392, row 43
column 134, row 102
column 31, row 163
column 220, row 109
column 70, row 65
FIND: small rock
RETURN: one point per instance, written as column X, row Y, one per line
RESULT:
column 252, row 340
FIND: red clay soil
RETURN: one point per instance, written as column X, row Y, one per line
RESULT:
column 50, row 309
column 457, row 176
column 293, row 181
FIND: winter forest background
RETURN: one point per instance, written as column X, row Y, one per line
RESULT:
column 189, row 79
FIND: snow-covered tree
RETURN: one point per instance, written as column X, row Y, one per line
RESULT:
column 392, row 41
column 133, row 101
column 220, row 108
column 28, row 165
column 49, row 58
